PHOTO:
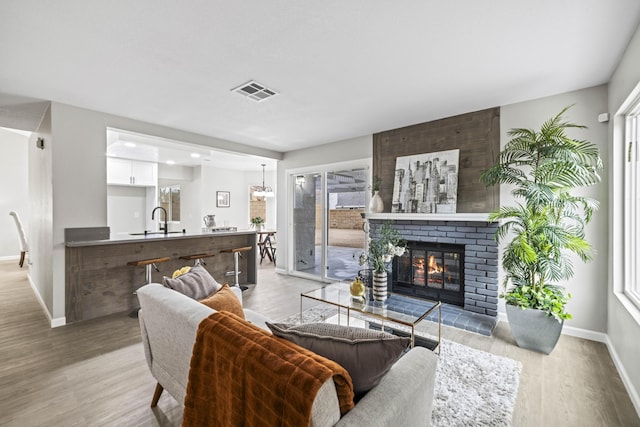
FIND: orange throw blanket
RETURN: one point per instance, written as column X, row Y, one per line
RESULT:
column 241, row 375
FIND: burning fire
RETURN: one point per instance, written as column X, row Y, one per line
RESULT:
column 433, row 270
column 433, row 266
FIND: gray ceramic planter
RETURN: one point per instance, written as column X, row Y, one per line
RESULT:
column 533, row 329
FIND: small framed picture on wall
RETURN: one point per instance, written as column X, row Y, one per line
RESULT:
column 223, row 199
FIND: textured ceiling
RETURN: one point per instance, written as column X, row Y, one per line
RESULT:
column 341, row 68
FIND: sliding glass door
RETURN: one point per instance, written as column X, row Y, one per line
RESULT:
column 327, row 225
column 307, row 223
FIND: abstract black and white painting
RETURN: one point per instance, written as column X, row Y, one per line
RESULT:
column 426, row 183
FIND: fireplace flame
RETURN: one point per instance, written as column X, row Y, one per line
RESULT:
column 433, row 266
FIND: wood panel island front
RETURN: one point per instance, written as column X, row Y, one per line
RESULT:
column 99, row 282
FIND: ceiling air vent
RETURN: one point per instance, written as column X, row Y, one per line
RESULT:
column 255, row 91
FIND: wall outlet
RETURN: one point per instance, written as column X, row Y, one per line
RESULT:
column 136, row 214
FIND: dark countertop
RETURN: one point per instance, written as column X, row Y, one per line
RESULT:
column 127, row 238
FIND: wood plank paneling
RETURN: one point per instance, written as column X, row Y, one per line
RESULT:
column 476, row 134
column 99, row 282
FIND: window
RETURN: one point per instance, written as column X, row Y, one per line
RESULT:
column 632, row 204
column 170, row 200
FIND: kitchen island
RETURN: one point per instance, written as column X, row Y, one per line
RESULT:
column 99, row 282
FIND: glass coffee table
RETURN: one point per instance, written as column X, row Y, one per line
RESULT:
column 398, row 309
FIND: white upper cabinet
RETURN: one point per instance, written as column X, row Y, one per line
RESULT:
column 144, row 173
column 118, row 171
column 131, row 172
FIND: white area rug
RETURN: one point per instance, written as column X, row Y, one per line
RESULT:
column 473, row 387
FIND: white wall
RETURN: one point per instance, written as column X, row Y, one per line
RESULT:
column 237, row 183
column 126, row 209
column 14, row 183
column 190, row 218
column 623, row 317
column 360, row 148
column 588, row 287
column 41, row 213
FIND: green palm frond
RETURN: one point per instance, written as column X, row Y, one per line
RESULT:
column 548, row 223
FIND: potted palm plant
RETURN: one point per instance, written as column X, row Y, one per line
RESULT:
column 545, row 226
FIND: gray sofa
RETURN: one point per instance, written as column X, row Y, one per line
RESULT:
column 169, row 322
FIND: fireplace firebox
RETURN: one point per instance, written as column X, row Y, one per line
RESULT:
column 431, row 270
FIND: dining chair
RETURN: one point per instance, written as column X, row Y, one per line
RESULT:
column 24, row 248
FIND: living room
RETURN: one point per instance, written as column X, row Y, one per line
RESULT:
column 601, row 315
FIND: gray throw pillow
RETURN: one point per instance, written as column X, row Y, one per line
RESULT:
column 366, row 354
column 197, row 283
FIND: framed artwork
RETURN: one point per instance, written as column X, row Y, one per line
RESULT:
column 426, row 183
column 223, row 199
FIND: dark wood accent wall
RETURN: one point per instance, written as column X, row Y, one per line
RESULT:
column 99, row 282
column 476, row 134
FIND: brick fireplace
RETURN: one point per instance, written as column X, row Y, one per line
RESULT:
column 474, row 236
column 477, row 136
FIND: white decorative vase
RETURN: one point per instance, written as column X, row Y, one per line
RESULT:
column 380, row 286
column 376, row 205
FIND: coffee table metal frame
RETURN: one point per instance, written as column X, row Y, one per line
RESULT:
column 338, row 294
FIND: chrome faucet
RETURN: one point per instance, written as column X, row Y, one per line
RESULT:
column 153, row 212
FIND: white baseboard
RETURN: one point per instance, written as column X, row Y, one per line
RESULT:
column 10, row 258
column 502, row 317
column 633, row 393
column 58, row 321
column 54, row 322
column 570, row 331
column 585, row 333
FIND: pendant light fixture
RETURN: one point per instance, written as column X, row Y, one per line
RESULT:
column 263, row 191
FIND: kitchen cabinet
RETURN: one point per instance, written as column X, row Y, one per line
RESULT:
column 131, row 172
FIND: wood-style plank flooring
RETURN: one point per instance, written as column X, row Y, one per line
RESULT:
column 93, row 373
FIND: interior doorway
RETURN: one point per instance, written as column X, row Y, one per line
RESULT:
column 14, row 175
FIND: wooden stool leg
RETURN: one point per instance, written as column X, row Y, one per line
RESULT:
column 21, row 263
column 156, row 395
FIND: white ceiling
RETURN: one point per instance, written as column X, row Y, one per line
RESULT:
column 341, row 68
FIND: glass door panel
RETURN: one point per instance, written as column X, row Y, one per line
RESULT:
column 405, row 268
column 435, row 269
column 452, row 271
column 307, row 223
column 346, row 198
column 418, row 266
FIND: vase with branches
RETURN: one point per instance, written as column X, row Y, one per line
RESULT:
column 376, row 205
column 381, row 252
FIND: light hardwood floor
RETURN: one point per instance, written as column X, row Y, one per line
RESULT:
column 93, row 373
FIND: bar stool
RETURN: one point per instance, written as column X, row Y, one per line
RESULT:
column 148, row 264
column 237, row 253
column 198, row 258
